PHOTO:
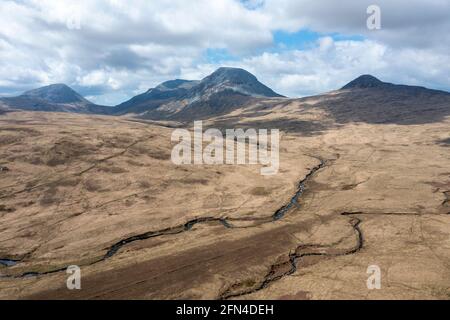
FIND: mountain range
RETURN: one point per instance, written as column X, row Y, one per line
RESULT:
column 366, row 98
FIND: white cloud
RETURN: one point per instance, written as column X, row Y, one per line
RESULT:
column 125, row 47
column 331, row 64
column 145, row 42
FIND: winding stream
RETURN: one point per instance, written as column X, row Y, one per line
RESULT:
column 225, row 222
column 8, row 262
column 293, row 259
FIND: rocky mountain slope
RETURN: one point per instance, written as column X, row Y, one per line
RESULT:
column 219, row 93
column 164, row 93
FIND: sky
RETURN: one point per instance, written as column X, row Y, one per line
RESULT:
column 111, row 50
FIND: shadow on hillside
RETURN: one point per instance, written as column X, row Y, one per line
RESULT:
column 404, row 106
column 445, row 142
column 303, row 127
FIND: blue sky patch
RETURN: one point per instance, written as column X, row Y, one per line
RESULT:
column 305, row 38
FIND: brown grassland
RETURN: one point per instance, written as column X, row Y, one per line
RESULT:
column 102, row 193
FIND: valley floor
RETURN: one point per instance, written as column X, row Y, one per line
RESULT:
column 103, row 194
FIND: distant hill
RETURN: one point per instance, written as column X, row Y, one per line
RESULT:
column 55, row 93
column 55, row 97
column 368, row 99
column 218, row 93
column 363, row 82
